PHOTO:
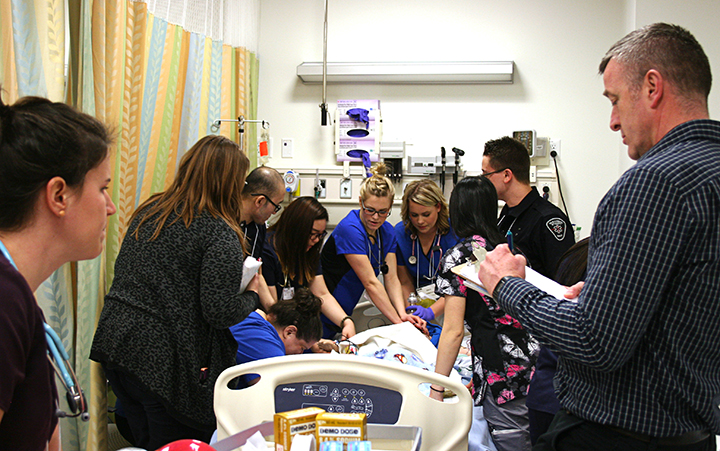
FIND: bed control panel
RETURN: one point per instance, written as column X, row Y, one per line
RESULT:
column 382, row 406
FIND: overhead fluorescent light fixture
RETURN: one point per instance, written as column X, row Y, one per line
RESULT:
column 410, row 73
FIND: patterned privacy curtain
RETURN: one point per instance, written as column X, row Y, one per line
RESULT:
column 32, row 34
column 159, row 73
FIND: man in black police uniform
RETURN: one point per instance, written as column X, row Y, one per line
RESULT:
column 539, row 228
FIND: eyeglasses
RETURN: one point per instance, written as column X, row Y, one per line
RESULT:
column 486, row 174
column 320, row 236
column 372, row 211
column 277, row 207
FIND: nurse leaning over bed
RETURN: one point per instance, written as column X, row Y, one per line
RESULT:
column 163, row 334
column 361, row 251
column 423, row 236
column 291, row 259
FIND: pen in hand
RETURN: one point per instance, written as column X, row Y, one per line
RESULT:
column 509, row 238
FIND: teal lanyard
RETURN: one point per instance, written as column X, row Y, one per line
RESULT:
column 6, row 253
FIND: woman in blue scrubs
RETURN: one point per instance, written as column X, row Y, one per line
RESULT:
column 362, row 247
column 291, row 326
column 423, row 236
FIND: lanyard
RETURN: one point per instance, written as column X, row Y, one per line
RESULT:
column 257, row 231
column 6, row 253
column 511, row 224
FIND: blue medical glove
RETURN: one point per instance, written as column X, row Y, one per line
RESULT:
column 425, row 313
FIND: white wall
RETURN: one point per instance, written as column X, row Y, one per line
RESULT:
column 556, row 46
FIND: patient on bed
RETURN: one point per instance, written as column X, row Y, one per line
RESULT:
column 291, row 326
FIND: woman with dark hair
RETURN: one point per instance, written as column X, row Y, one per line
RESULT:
column 291, row 258
column 54, row 204
column 503, row 353
column 423, row 236
column 541, row 401
column 291, row 326
column 163, row 336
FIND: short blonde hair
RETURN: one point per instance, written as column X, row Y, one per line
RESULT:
column 426, row 193
column 378, row 185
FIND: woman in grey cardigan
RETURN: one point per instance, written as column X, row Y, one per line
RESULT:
column 163, row 334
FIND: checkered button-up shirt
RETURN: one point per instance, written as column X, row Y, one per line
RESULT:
column 640, row 349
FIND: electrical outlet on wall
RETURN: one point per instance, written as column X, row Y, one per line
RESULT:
column 346, row 189
column 546, row 187
column 555, row 147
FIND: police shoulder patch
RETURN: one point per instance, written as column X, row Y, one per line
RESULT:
column 557, row 227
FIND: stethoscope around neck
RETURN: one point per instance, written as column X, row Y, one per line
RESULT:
column 381, row 256
column 431, row 261
column 59, row 359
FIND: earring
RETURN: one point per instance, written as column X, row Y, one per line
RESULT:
column 61, row 213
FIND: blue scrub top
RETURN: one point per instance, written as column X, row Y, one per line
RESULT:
column 426, row 264
column 350, row 237
column 257, row 339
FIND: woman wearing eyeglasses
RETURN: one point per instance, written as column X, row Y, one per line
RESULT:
column 361, row 247
column 423, row 236
column 291, row 259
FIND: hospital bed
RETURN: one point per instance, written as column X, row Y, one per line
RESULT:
column 389, row 393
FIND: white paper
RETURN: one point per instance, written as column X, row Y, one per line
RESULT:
column 549, row 286
column 256, row 443
column 250, row 267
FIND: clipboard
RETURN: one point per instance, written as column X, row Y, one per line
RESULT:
column 471, row 280
column 250, row 267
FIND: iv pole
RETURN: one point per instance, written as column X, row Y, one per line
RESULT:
column 241, row 126
column 323, row 105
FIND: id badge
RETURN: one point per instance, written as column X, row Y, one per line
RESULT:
column 288, row 293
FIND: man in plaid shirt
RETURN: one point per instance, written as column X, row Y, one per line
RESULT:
column 639, row 348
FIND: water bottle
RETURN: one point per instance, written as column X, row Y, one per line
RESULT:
column 412, row 299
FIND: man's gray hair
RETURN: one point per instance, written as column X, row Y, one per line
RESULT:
column 671, row 50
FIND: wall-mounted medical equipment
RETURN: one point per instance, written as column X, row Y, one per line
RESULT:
column 458, row 153
column 358, row 131
column 528, row 138
column 428, row 165
column 463, row 72
column 292, row 181
column 392, row 154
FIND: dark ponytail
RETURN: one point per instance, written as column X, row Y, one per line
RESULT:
column 302, row 311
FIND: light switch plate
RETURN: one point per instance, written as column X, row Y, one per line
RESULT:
column 287, row 148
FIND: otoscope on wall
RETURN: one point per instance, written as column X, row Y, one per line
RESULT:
column 458, row 153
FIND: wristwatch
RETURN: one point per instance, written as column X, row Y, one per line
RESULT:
column 499, row 286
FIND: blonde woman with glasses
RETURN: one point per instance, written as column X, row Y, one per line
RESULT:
column 362, row 247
